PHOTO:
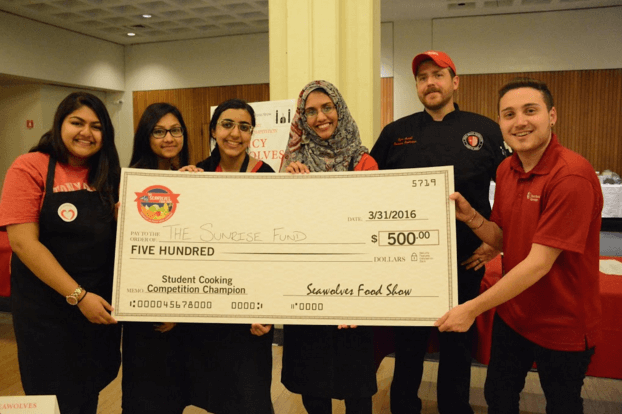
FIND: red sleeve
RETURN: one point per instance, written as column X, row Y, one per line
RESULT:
column 565, row 221
column 496, row 215
column 367, row 163
column 22, row 193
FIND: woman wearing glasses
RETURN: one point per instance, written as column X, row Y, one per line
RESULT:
column 240, row 356
column 158, row 364
column 161, row 139
column 324, row 362
column 231, row 127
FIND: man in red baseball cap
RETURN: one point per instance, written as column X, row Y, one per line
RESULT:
column 440, row 135
column 441, row 59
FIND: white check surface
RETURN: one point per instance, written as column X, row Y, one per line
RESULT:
column 365, row 248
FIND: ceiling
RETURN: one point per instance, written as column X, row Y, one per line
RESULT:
column 112, row 20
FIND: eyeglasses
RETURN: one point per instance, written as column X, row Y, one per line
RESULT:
column 312, row 112
column 243, row 127
column 161, row 132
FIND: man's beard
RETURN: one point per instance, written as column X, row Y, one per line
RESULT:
column 439, row 105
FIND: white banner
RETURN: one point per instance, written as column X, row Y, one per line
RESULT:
column 29, row 404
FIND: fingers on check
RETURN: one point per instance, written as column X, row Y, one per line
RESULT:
column 191, row 168
column 440, row 321
column 300, row 167
column 106, row 318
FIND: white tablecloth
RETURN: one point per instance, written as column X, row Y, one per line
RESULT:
column 612, row 194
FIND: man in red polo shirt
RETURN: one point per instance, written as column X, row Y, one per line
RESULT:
column 546, row 219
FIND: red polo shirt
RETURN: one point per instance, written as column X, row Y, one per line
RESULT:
column 557, row 204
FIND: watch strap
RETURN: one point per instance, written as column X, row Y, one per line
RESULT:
column 83, row 296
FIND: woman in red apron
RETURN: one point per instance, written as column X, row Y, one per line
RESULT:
column 57, row 207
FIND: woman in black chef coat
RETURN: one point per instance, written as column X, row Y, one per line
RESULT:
column 57, row 207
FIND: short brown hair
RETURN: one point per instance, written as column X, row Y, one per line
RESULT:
column 536, row 84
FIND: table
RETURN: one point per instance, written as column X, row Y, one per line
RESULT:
column 607, row 361
column 612, row 194
column 612, row 197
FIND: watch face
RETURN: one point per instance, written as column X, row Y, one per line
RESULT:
column 73, row 298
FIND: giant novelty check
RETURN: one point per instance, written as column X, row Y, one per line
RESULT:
column 364, row 248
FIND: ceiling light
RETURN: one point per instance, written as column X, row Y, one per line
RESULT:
column 147, row 16
column 131, row 34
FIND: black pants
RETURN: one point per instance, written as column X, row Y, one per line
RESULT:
column 89, row 407
column 512, row 356
column 454, row 371
column 320, row 405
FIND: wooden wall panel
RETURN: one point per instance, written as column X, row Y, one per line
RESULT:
column 589, row 106
column 194, row 104
column 588, row 102
column 386, row 96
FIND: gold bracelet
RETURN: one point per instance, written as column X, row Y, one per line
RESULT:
column 471, row 219
column 480, row 224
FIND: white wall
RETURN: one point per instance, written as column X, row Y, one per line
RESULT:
column 565, row 40
column 198, row 63
column 552, row 41
column 51, row 96
column 48, row 55
column 40, row 51
column 18, row 104
column 410, row 37
column 386, row 50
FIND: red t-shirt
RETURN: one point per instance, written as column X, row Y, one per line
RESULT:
column 367, row 163
column 24, row 187
column 557, row 204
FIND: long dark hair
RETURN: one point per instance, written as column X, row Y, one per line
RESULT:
column 142, row 155
column 104, row 166
column 214, row 158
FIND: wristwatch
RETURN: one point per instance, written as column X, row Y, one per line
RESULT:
column 73, row 298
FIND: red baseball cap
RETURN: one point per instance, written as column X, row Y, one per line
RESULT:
column 440, row 58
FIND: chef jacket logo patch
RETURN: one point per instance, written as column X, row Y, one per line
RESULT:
column 473, row 140
column 156, row 204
